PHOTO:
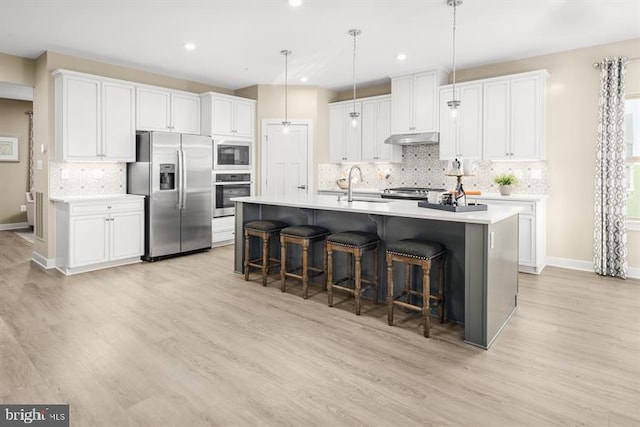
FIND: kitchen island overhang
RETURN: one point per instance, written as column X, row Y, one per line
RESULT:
column 481, row 269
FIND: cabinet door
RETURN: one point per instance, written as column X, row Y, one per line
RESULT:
column 353, row 139
column 222, row 115
column 526, row 239
column 126, row 235
column 185, row 113
column 243, row 123
column 470, row 118
column 369, row 131
column 496, row 132
column 153, row 109
column 118, row 122
column 425, row 102
column 80, row 118
column 402, row 104
column 448, row 126
column 525, row 118
column 88, row 240
column 386, row 152
column 337, row 119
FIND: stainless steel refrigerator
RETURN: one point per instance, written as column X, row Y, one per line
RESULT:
column 173, row 171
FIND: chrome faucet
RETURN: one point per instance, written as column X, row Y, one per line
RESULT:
column 349, row 192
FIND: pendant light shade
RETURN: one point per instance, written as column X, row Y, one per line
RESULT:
column 354, row 114
column 454, row 104
column 286, row 123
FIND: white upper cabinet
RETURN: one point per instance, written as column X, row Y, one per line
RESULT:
column 94, row 118
column 376, row 127
column 461, row 137
column 414, row 102
column 345, row 140
column 160, row 109
column 513, row 120
column 227, row 115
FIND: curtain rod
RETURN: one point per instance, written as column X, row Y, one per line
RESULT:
column 634, row 59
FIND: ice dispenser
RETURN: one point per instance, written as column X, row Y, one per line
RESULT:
column 167, row 176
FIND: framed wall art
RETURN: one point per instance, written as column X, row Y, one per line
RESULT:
column 8, row 149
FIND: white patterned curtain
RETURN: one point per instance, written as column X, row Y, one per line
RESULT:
column 610, row 243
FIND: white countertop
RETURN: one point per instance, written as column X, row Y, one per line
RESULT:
column 97, row 197
column 389, row 207
column 513, row 197
column 354, row 190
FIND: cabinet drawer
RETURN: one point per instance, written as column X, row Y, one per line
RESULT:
column 223, row 235
column 105, row 207
column 527, row 207
column 224, row 223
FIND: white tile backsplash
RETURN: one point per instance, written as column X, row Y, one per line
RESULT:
column 87, row 179
column 421, row 167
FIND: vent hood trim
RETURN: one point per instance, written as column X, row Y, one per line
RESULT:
column 421, row 138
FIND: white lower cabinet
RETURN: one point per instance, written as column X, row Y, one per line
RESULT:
column 531, row 229
column 98, row 233
column 223, row 230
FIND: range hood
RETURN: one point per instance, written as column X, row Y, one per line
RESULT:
column 413, row 138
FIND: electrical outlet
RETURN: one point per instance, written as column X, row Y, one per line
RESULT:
column 23, row 208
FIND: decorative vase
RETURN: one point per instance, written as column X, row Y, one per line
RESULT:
column 505, row 190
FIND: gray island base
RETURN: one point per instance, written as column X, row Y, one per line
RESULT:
column 481, row 267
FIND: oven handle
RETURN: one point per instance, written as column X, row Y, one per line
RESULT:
column 233, row 182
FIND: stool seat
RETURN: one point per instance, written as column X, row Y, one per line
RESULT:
column 356, row 239
column 306, row 231
column 267, row 225
column 421, row 249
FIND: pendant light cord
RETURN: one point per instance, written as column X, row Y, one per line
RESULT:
column 286, row 79
column 355, row 34
column 454, row 48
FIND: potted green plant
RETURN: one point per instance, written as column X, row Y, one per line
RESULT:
column 505, row 182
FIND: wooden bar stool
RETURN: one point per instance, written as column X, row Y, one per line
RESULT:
column 305, row 236
column 421, row 253
column 354, row 244
column 263, row 229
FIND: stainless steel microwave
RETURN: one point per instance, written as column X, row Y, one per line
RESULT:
column 231, row 154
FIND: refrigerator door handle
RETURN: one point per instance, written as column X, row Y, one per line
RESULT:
column 179, row 183
column 183, row 167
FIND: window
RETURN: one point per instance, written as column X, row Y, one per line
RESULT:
column 632, row 139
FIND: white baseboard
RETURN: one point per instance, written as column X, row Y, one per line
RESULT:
column 42, row 261
column 14, row 226
column 574, row 264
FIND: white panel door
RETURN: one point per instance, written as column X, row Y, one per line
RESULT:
column 126, row 235
column 81, row 115
column 402, row 104
column 222, row 116
column 118, row 122
column 153, row 109
column 185, row 113
column 286, row 161
column 496, row 132
column 88, row 240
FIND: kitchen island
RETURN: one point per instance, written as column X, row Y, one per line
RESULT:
column 481, row 270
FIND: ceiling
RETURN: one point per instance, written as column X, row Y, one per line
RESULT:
column 239, row 41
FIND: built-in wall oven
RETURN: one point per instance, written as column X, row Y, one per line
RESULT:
column 231, row 154
column 228, row 185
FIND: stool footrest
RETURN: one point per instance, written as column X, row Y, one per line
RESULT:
column 407, row 306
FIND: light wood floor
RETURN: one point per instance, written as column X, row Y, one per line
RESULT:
column 186, row 342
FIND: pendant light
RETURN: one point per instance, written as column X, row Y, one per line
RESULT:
column 354, row 114
column 286, row 123
column 454, row 103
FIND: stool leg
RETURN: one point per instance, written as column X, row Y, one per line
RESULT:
column 389, row 290
column 265, row 259
column 246, row 255
column 305, row 278
column 405, row 282
column 329, row 276
column 357, row 281
column 376, row 278
column 324, row 263
column 426, row 290
column 283, row 267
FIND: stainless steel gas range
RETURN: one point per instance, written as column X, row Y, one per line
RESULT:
column 409, row 193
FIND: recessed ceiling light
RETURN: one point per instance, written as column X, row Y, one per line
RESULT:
column 401, row 57
column 295, row 3
column 190, row 46
column 304, row 79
